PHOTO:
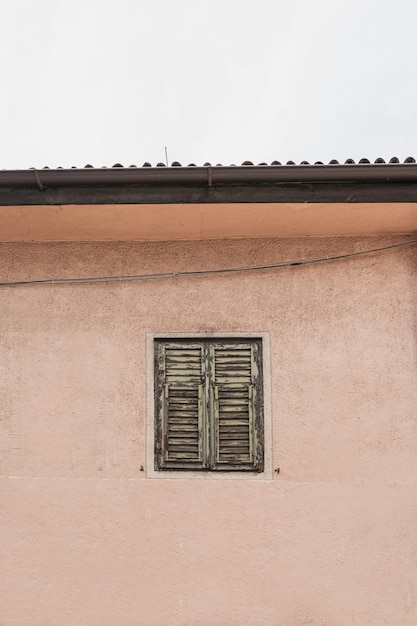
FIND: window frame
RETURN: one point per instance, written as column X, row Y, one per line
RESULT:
column 152, row 470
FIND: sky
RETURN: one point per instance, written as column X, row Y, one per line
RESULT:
column 103, row 81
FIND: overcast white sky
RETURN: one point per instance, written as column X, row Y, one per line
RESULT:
column 105, row 81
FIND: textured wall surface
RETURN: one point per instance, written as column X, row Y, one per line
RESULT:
column 88, row 539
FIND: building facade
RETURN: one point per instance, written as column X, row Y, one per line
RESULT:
column 299, row 508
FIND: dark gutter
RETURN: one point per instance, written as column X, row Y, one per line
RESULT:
column 391, row 182
column 210, row 176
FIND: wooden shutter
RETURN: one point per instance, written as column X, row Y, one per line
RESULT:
column 180, row 392
column 208, row 398
column 236, row 406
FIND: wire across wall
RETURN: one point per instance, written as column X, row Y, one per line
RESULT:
column 208, row 272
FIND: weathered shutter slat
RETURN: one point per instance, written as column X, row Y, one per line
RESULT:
column 181, row 413
column 183, row 439
column 234, row 382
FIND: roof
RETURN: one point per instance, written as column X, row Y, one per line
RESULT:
column 209, row 202
column 377, row 161
column 333, row 182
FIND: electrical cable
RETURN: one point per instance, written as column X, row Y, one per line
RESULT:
column 230, row 270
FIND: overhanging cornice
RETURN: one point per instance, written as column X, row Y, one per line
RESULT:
column 354, row 183
column 163, row 222
column 167, row 203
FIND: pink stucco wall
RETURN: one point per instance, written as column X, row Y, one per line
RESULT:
column 88, row 539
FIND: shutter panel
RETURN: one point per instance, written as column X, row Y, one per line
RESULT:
column 180, row 393
column 209, row 405
column 236, row 414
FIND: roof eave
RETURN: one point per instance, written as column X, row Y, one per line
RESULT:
column 283, row 183
column 208, row 175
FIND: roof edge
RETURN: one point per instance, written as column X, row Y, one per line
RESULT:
column 208, row 176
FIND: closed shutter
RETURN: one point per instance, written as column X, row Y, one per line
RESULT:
column 235, row 401
column 180, row 397
column 208, row 398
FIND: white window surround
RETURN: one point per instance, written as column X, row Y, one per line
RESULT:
column 267, row 474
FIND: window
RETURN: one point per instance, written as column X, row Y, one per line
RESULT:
column 209, row 405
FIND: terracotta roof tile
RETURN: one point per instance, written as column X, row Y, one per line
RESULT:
column 349, row 161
